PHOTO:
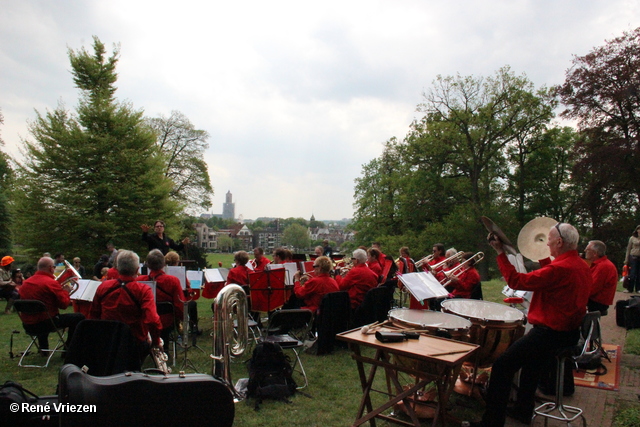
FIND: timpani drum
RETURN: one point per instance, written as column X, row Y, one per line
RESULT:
column 434, row 322
column 494, row 327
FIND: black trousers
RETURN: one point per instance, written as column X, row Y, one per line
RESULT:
column 534, row 353
column 43, row 329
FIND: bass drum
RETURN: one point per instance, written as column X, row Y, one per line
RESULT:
column 494, row 327
column 435, row 323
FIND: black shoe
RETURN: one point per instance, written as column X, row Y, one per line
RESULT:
column 519, row 416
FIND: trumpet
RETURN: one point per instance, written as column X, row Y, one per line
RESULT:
column 458, row 270
column 69, row 276
column 425, row 260
column 439, row 266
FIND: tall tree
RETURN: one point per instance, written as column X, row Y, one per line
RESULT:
column 183, row 147
column 6, row 175
column 296, row 235
column 93, row 176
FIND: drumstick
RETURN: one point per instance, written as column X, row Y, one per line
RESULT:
column 447, row 353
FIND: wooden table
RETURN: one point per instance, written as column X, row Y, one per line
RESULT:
column 428, row 359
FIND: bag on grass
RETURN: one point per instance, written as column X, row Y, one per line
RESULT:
column 270, row 374
column 632, row 313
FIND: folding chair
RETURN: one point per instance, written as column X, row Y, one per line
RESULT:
column 38, row 307
column 289, row 329
column 105, row 347
column 374, row 308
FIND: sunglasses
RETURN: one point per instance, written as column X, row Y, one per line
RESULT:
column 558, row 228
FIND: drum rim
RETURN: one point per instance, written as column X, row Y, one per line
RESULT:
column 441, row 327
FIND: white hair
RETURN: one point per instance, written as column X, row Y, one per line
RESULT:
column 360, row 255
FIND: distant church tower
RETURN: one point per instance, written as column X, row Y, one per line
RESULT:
column 229, row 208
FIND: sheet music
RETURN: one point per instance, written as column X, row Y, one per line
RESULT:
column 518, row 262
column 195, row 279
column 86, row 290
column 178, row 271
column 423, row 285
column 152, row 285
column 216, row 275
column 291, row 269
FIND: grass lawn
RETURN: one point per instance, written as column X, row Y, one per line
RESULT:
column 334, row 391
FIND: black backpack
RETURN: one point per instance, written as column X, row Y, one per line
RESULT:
column 270, row 374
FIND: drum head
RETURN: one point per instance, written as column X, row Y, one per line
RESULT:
column 479, row 311
column 427, row 319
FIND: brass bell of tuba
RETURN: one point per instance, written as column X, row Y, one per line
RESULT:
column 229, row 340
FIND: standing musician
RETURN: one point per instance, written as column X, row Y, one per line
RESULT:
column 128, row 301
column 464, row 284
column 159, row 240
column 42, row 286
column 259, row 261
column 358, row 280
column 605, row 277
column 168, row 289
column 558, row 306
column 314, row 289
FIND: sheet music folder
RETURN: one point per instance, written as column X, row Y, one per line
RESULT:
column 423, row 285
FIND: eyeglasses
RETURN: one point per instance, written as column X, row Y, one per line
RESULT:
column 558, row 228
column 316, row 266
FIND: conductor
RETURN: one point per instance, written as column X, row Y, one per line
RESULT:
column 561, row 289
column 159, row 240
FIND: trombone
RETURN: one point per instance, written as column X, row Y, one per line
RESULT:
column 458, row 270
column 439, row 266
column 425, row 260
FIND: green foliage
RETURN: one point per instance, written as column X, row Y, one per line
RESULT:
column 225, row 243
column 91, row 177
column 296, row 235
column 183, row 147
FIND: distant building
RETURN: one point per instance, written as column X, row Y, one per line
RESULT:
column 206, row 238
column 229, row 208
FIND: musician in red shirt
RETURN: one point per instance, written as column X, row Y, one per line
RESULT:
column 373, row 262
column 240, row 273
column 462, row 285
column 128, row 301
column 42, row 286
column 168, row 289
column 260, row 261
column 358, row 280
column 314, row 289
column 558, row 305
column 605, row 277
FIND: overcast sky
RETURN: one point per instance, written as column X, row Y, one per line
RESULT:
column 296, row 96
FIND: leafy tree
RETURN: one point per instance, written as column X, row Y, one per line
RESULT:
column 225, row 243
column 296, row 235
column 93, row 176
column 6, row 176
column 183, row 147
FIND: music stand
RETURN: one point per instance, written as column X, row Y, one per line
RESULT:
column 267, row 290
column 185, row 339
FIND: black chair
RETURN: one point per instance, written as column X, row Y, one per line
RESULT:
column 590, row 342
column 38, row 307
column 290, row 329
column 374, row 308
column 105, row 347
column 476, row 292
column 334, row 316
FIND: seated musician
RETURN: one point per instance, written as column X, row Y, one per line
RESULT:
column 112, row 272
column 280, row 256
column 451, row 263
column 556, row 313
column 373, row 262
column 240, row 273
column 168, row 289
column 605, row 277
column 382, row 258
column 405, row 263
column 462, row 285
column 128, row 301
column 314, row 289
column 43, row 287
column 439, row 255
column 259, row 261
column 173, row 259
column 358, row 280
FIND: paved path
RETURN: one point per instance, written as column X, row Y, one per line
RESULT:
column 599, row 405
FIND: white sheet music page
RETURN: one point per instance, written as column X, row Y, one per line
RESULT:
column 178, row 271
column 195, row 278
column 216, row 275
column 86, row 290
column 423, row 285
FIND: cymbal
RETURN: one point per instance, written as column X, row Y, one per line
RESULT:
column 494, row 229
column 532, row 240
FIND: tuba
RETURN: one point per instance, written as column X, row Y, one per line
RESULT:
column 230, row 305
column 69, row 275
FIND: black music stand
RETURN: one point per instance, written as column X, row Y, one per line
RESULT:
column 267, row 289
column 185, row 339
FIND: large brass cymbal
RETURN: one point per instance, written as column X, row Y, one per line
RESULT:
column 532, row 239
column 494, row 229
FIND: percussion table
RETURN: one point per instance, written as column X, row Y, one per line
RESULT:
column 432, row 359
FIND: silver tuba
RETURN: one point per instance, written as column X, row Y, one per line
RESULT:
column 229, row 340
